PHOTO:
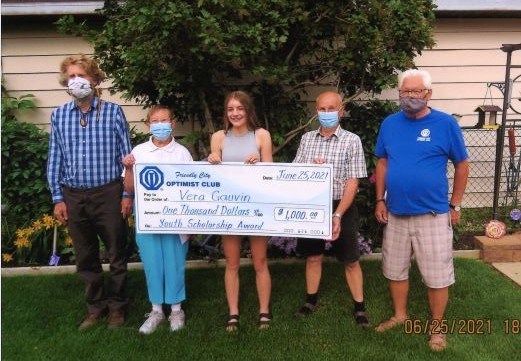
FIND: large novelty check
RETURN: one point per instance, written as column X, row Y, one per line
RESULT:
column 269, row 199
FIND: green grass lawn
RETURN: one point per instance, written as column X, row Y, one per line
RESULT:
column 40, row 316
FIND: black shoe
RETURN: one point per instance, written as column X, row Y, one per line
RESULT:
column 306, row 310
column 361, row 319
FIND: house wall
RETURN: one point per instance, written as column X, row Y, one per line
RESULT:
column 466, row 57
column 31, row 56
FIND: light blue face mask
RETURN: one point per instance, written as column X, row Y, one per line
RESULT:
column 328, row 119
column 161, row 131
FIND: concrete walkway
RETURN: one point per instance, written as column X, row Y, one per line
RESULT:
column 510, row 269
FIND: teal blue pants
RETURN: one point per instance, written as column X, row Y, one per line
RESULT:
column 164, row 258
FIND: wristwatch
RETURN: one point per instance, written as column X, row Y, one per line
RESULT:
column 456, row 208
column 128, row 195
column 337, row 215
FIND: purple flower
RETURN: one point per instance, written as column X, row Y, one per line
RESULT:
column 364, row 244
column 288, row 245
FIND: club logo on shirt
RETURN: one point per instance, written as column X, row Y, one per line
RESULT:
column 424, row 136
column 151, row 178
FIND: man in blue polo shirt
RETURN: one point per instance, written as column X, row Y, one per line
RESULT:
column 89, row 137
column 413, row 147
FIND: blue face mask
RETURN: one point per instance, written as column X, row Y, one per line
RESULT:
column 328, row 119
column 161, row 131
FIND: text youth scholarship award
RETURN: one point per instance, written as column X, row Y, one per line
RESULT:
column 267, row 199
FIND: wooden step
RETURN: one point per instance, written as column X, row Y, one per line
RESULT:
column 504, row 249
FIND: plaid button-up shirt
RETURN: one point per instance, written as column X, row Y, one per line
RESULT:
column 90, row 156
column 342, row 149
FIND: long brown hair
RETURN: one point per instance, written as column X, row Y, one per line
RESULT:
column 247, row 102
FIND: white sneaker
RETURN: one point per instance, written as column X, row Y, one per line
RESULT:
column 153, row 320
column 177, row 320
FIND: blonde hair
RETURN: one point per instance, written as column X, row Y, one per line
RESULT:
column 85, row 62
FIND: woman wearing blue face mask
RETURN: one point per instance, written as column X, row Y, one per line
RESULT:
column 163, row 255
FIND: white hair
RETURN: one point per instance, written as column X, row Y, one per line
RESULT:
column 426, row 77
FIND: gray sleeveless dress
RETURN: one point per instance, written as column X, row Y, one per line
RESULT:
column 237, row 148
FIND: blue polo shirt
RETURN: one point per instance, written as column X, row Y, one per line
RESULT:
column 417, row 152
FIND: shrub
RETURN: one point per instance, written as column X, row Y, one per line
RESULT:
column 277, row 50
column 27, row 221
column 25, row 195
column 364, row 120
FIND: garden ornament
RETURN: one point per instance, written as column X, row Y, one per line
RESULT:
column 495, row 229
column 55, row 259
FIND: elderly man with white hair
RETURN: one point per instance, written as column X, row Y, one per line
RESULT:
column 414, row 147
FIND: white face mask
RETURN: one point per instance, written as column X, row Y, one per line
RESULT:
column 79, row 87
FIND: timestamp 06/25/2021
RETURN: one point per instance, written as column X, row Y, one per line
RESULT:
column 465, row 326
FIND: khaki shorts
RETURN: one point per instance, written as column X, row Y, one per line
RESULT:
column 429, row 238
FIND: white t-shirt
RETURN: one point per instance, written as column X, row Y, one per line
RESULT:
column 172, row 153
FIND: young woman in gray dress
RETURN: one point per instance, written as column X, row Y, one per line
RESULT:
column 242, row 140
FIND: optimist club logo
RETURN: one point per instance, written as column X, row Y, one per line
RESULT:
column 151, row 178
column 424, row 136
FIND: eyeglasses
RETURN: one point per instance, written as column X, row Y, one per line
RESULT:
column 415, row 93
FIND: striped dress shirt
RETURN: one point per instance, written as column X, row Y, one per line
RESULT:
column 342, row 149
column 90, row 156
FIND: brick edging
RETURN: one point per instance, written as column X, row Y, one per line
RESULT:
column 191, row 264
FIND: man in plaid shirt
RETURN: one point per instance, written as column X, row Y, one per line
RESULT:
column 333, row 145
column 88, row 139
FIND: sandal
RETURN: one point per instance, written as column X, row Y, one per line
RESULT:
column 390, row 323
column 232, row 323
column 264, row 321
column 437, row 341
column 306, row 310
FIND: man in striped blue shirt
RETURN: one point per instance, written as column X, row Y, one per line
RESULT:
column 88, row 139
